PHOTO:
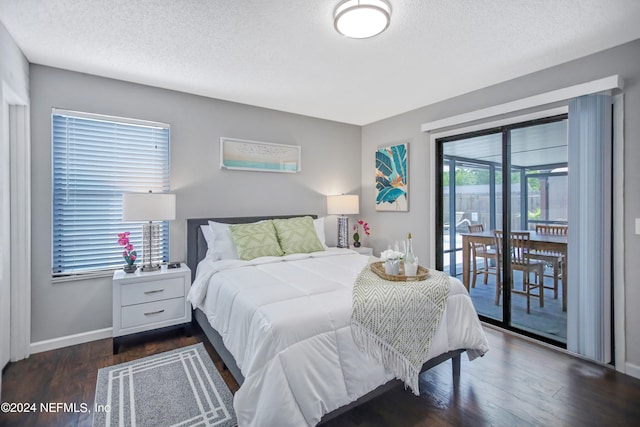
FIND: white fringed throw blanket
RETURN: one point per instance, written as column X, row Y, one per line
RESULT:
column 394, row 322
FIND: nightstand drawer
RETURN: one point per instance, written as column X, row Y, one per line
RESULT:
column 145, row 301
column 152, row 312
column 152, row 291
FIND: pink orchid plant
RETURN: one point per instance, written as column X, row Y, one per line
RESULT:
column 356, row 229
column 128, row 254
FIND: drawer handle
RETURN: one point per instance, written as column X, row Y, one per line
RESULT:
column 154, row 312
column 155, row 291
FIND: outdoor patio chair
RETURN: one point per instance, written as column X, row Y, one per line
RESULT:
column 461, row 223
column 480, row 250
column 554, row 258
column 520, row 248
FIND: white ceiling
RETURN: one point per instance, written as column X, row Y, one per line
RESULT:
column 286, row 55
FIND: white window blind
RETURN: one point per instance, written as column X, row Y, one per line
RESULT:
column 95, row 160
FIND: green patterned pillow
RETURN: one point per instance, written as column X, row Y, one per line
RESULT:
column 297, row 235
column 255, row 240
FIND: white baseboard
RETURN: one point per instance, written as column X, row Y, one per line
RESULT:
column 632, row 369
column 53, row 344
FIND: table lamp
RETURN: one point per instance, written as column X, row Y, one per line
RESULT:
column 149, row 207
column 342, row 205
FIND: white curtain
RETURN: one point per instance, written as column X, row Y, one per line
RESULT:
column 590, row 208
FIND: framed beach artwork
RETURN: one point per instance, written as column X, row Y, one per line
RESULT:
column 241, row 154
column 392, row 178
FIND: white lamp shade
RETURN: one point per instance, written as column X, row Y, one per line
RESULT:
column 148, row 207
column 345, row 204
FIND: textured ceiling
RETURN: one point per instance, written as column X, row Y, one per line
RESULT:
column 286, row 55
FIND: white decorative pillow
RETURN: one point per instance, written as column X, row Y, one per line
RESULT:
column 209, row 237
column 318, row 224
column 223, row 246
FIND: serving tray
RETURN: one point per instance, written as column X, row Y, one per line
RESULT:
column 378, row 268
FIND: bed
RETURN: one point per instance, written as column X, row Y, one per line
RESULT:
column 281, row 326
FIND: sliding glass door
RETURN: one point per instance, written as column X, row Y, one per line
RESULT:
column 471, row 195
column 468, row 199
column 497, row 186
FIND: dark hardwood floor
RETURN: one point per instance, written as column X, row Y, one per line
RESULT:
column 516, row 383
column 69, row 375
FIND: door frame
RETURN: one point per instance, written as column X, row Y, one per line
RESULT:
column 447, row 127
column 16, row 125
column 504, row 133
column 5, row 235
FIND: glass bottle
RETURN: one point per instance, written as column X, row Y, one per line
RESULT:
column 410, row 264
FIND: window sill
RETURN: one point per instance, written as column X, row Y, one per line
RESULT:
column 82, row 276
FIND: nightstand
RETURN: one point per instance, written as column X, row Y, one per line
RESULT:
column 151, row 300
column 362, row 250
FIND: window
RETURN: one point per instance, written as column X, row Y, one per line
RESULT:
column 95, row 160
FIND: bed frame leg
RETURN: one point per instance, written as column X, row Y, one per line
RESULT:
column 455, row 364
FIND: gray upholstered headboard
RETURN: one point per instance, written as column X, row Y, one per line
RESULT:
column 197, row 245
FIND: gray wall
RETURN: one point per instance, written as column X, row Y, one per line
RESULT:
column 623, row 60
column 330, row 165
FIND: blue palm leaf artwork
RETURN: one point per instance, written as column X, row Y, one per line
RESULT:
column 392, row 189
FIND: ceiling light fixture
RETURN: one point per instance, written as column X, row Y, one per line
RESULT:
column 361, row 19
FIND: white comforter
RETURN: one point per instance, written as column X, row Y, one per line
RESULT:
column 286, row 321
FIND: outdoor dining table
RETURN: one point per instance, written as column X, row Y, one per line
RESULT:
column 539, row 241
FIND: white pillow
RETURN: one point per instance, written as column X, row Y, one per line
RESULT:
column 318, row 224
column 207, row 232
column 223, row 246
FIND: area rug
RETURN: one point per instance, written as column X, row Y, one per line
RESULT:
column 181, row 387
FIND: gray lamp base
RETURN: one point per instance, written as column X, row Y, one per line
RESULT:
column 150, row 247
column 343, row 232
